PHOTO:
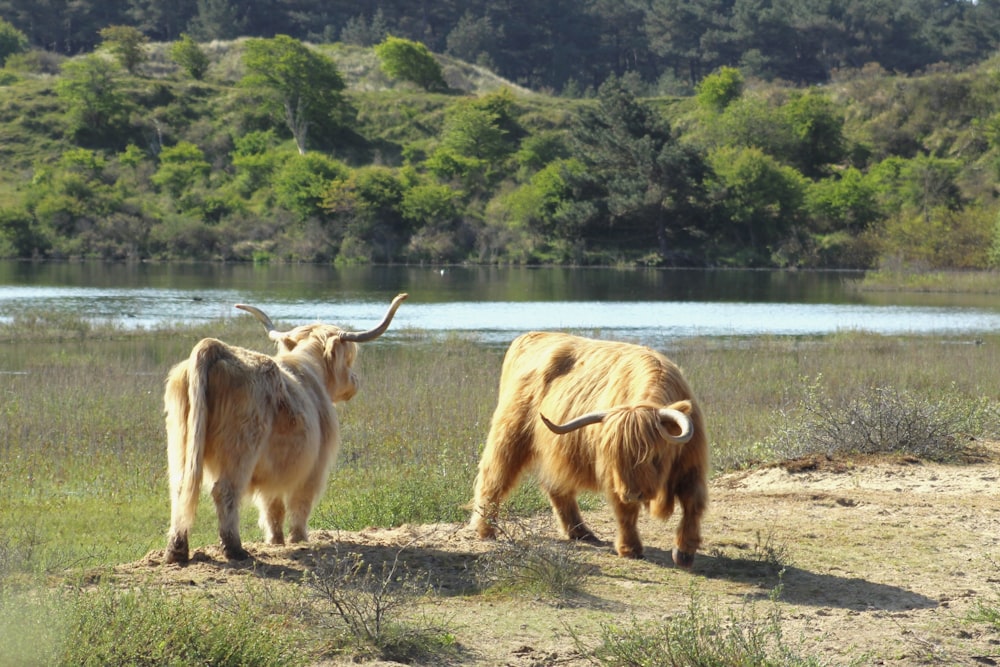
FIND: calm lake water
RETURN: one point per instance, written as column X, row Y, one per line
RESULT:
column 496, row 304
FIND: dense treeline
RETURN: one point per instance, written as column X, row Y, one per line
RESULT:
column 569, row 46
column 272, row 149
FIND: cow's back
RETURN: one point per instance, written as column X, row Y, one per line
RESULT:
column 563, row 375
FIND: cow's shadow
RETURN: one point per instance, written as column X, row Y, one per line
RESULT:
column 795, row 585
column 458, row 572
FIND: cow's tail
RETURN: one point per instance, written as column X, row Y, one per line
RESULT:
column 190, row 472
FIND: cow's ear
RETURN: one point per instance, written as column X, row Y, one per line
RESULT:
column 330, row 347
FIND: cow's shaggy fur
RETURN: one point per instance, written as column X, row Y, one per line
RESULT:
column 242, row 422
column 635, row 455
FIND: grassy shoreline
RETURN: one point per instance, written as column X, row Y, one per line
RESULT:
column 908, row 280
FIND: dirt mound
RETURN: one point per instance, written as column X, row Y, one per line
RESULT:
column 878, row 562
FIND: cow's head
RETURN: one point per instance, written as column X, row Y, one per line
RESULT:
column 337, row 348
column 636, row 446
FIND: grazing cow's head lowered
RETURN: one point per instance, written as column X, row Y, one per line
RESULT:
column 627, row 424
column 245, row 422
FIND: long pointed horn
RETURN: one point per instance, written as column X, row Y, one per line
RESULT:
column 272, row 332
column 372, row 334
column 579, row 422
column 682, row 421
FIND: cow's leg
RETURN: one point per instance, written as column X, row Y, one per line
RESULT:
column 300, row 506
column 226, row 495
column 693, row 496
column 180, row 525
column 505, row 457
column 627, row 542
column 272, row 518
column 567, row 512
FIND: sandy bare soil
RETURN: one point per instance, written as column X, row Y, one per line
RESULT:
column 882, row 562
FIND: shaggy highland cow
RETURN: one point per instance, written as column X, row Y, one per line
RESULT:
column 597, row 415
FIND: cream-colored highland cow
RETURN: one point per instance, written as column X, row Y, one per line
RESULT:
column 597, row 415
column 242, row 422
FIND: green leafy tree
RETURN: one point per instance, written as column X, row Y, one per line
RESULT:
column 301, row 183
column 652, row 185
column 182, row 167
column 410, row 61
column 20, row 235
column 365, row 206
column 720, row 88
column 475, row 140
column 433, row 211
column 189, row 56
column 97, row 105
column 127, row 44
column 296, row 83
column 762, row 201
column 816, row 124
column 12, row 41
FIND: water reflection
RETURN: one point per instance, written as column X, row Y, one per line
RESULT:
column 497, row 303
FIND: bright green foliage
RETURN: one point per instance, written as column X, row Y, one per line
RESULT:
column 12, row 41
column 848, row 201
column 761, row 200
column 127, row 44
column 538, row 150
column 189, row 56
column 301, row 182
column 816, row 124
column 433, row 211
column 296, row 84
column 410, row 61
column 427, row 204
column 475, row 140
column 182, row 167
column 365, row 207
column 720, row 88
column 97, row 105
column 255, row 161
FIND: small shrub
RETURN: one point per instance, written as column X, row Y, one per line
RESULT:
column 882, row 420
column 366, row 607
column 527, row 563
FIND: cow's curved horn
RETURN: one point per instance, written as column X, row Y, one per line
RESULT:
column 372, row 334
column 579, row 422
column 679, row 418
column 272, row 332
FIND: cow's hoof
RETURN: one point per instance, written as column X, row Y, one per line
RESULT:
column 682, row 558
column 585, row 536
column 177, row 550
column 235, row 553
column 634, row 555
column 174, row 556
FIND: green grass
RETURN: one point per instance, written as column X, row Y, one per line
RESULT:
column 102, row 625
column 907, row 280
column 701, row 636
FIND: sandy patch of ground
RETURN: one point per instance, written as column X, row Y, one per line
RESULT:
column 882, row 562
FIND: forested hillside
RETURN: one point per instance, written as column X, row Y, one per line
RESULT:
column 569, row 46
column 275, row 149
